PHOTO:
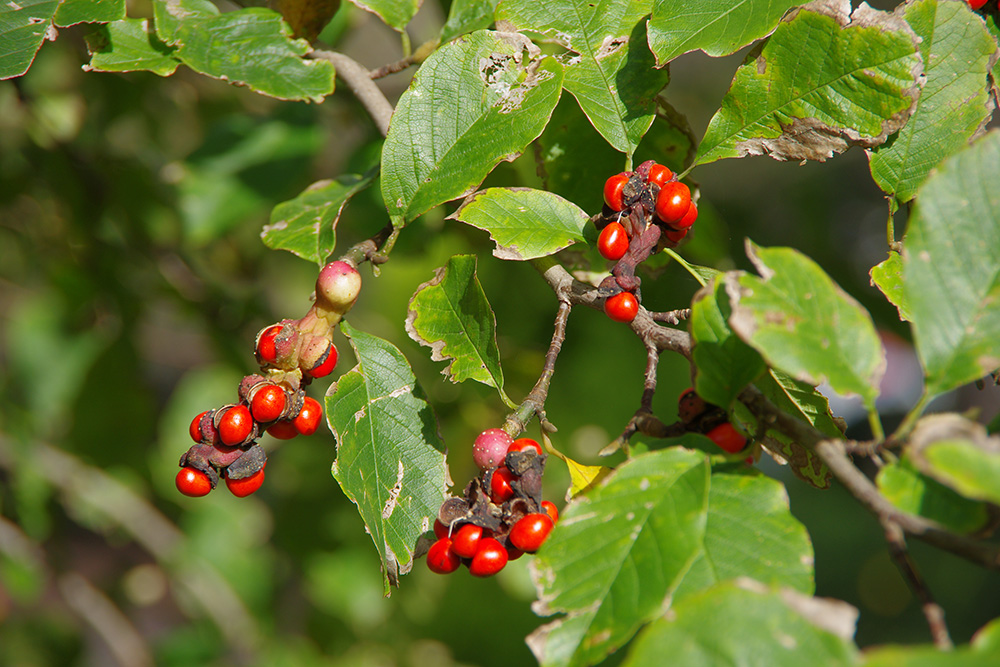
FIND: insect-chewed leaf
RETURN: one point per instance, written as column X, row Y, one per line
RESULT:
column 24, row 26
column 389, row 453
column 824, row 81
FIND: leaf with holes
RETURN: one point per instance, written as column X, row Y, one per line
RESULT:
column 389, row 453
column 451, row 315
column 475, row 102
column 618, row 553
column 24, row 26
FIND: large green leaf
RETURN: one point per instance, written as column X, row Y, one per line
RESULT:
column 71, row 12
column 954, row 104
column 395, row 13
column 906, row 488
column 888, row 277
column 23, row 27
column 725, row 363
column 618, row 553
column 251, row 47
column 127, row 46
column 525, row 223
column 717, row 27
column 476, row 101
column 307, row 225
column 451, row 315
column 751, row 533
column 805, row 325
column 389, row 458
column 729, row 625
column 467, row 16
column 951, row 262
column 819, row 85
column 612, row 74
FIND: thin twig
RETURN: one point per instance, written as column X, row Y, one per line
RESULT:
column 357, row 79
column 106, row 619
column 534, row 402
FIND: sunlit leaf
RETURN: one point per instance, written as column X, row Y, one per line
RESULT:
column 909, row 490
column 468, row 16
column 71, row 12
column 888, row 277
column 129, row 45
column 23, row 27
column 395, row 13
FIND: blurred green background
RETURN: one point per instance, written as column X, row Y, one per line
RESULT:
column 133, row 281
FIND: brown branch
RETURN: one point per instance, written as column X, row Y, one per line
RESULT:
column 932, row 610
column 534, row 402
column 415, row 58
column 357, row 79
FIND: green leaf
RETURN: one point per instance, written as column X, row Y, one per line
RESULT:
column 251, row 47
column 817, row 86
column 703, row 274
column 612, row 76
column 524, row 223
column 982, row 651
column 888, row 277
column 727, row 624
column 954, row 105
column 71, row 12
column 451, row 315
column 23, row 27
column 725, row 363
column 389, row 453
column 968, row 469
column 751, row 533
column 618, row 553
column 906, row 488
column 476, row 101
column 468, row 16
column 951, row 261
column 717, row 27
column 307, row 225
column 127, row 46
column 805, row 325
column 395, row 13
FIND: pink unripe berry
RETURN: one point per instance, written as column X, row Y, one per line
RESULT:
column 338, row 286
column 491, row 447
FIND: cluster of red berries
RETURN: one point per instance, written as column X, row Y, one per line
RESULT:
column 501, row 515
column 702, row 417
column 291, row 354
column 977, row 4
column 645, row 210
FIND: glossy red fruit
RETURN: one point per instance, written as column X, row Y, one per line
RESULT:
column 465, row 540
column 522, row 444
column 550, row 508
column 659, row 174
column 241, row 488
column 195, row 429
column 977, row 4
column 727, row 438
column 622, row 307
column 283, row 430
column 490, row 558
column 441, row 558
column 687, row 219
column 235, row 425
column 613, row 191
column 673, row 202
column 490, row 448
column 500, row 489
column 268, row 403
column 264, row 349
column 193, row 482
column 613, row 242
column 324, row 366
column 530, row 532
column 675, row 235
column 308, row 418
column 440, row 530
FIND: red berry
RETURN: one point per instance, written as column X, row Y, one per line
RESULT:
column 440, row 530
column 728, row 438
column 687, row 220
column 235, row 424
column 441, row 559
column 622, row 307
column 513, row 554
column 673, row 202
column 325, row 364
column 675, row 235
column 195, row 428
column 307, row 421
column 522, row 444
column 530, row 532
column 550, row 508
column 976, row 4
column 490, row 558
column 690, row 405
column 490, row 448
column 193, row 482
column 500, row 488
column 613, row 242
column 659, row 174
column 264, row 349
column 242, row 488
column 283, row 430
column 613, row 191
column 268, row 403
column 465, row 541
